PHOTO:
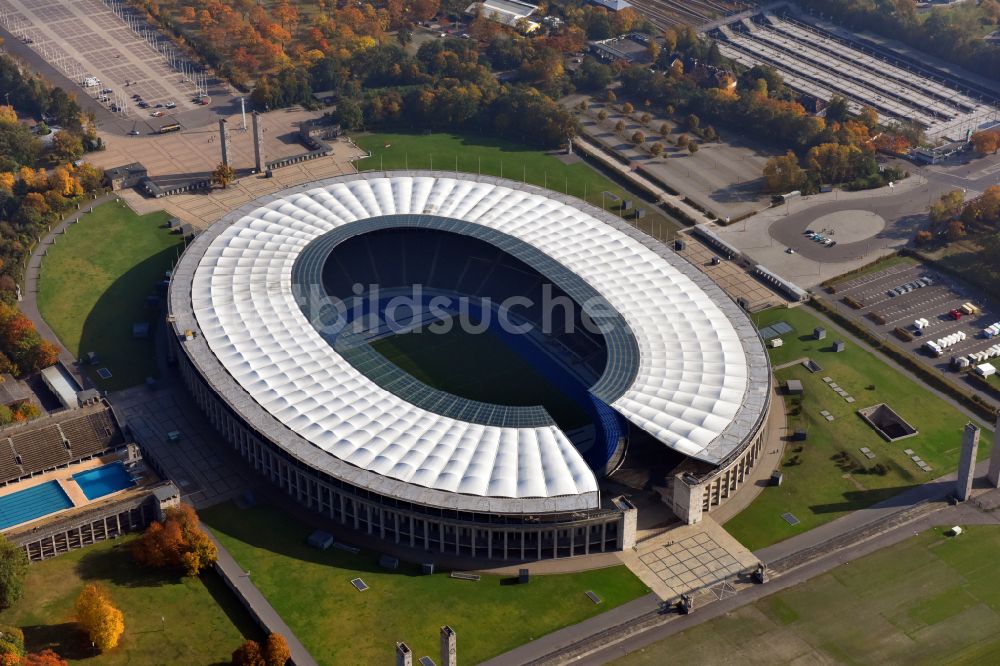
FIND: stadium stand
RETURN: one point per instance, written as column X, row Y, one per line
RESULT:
column 57, row 441
column 568, row 354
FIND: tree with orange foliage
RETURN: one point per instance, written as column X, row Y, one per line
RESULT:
column 7, row 114
column 44, row 658
column 286, row 15
column 178, row 543
column 248, row 654
column 7, row 180
column 276, row 652
column 986, row 142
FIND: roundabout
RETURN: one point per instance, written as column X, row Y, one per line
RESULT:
column 849, row 226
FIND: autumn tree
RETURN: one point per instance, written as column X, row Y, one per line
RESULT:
column 645, row 118
column 947, row 207
column 66, row 146
column 956, row 230
column 223, row 175
column 248, row 654
column 177, row 543
column 986, row 142
column 692, row 147
column 11, row 645
column 276, row 652
column 656, row 149
column 638, row 138
column 691, row 122
column 602, row 115
column 923, row 237
column 98, row 616
column 627, row 108
column 620, row 126
column 783, row 173
column 664, row 129
column 682, row 141
column 46, row 657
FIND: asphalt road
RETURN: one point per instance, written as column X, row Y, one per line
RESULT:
column 904, row 212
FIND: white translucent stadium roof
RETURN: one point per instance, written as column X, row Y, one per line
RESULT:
column 700, row 385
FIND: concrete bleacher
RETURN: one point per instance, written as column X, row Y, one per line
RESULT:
column 58, row 440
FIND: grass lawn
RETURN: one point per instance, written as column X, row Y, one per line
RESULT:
column 311, row 591
column 93, row 287
column 932, row 599
column 202, row 623
column 822, row 487
column 442, row 360
column 496, row 157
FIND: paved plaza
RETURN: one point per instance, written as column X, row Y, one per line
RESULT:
column 729, row 275
column 199, row 150
column 205, row 471
column 688, row 558
column 203, row 208
column 85, row 38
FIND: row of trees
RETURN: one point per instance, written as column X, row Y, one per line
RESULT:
column 445, row 86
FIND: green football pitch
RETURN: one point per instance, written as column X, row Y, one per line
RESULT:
column 478, row 366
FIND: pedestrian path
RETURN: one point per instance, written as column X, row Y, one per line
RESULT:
column 239, row 582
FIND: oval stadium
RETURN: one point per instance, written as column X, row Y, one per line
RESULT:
column 468, row 365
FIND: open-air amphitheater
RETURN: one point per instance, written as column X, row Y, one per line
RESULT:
column 822, row 64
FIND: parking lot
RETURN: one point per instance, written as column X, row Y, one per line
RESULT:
column 932, row 302
column 86, row 39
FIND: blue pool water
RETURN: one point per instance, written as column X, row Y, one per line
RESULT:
column 103, row 481
column 25, row 505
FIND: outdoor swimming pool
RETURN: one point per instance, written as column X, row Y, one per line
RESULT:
column 25, row 505
column 104, row 480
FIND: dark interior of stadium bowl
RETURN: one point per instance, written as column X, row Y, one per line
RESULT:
column 462, row 327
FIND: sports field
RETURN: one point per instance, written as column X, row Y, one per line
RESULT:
column 494, row 157
column 932, row 599
column 479, row 367
column 94, row 283
column 311, row 590
column 168, row 619
column 827, row 476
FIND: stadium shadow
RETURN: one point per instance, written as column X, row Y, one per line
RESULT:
column 107, row 330
column 274, row 529
column 887, row 498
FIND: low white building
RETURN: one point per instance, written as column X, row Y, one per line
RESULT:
column 511, row 13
